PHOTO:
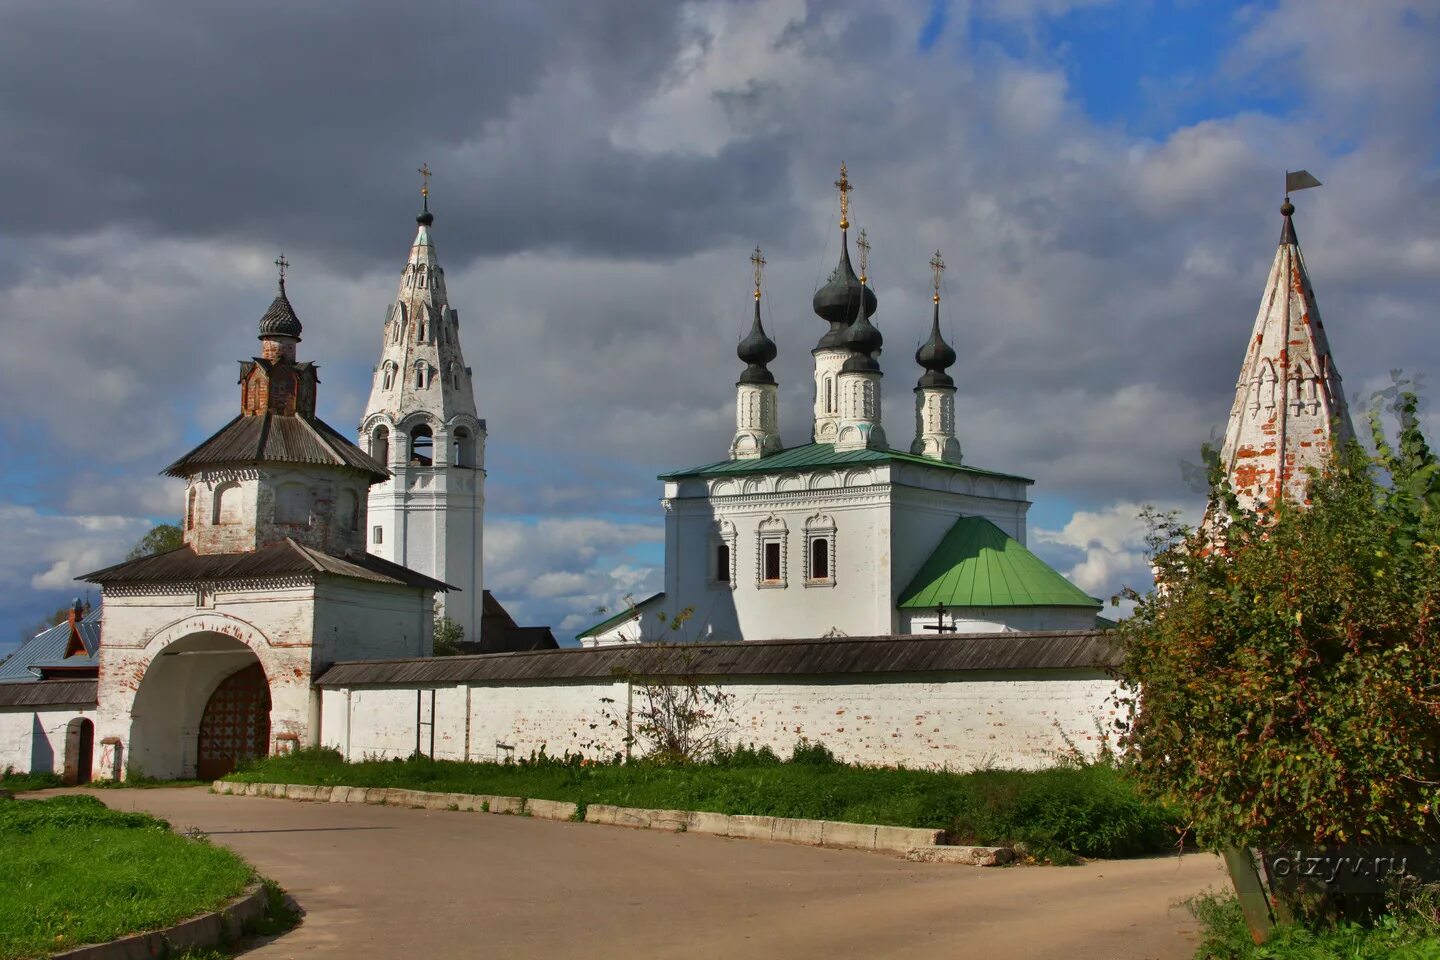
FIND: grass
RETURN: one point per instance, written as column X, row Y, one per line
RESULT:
column 77, row 872
column 20, row 782
column 1089, row 811
column 1408, row 933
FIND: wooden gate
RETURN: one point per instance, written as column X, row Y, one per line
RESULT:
column 236, row 723
column 79, row 750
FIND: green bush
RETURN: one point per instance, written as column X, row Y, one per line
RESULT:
column 1288, row 669
column 1406, row 934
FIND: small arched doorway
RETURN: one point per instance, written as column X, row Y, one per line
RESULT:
column 79, row 751
column 236, row 723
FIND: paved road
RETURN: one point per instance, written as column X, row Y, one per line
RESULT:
column 386, row 882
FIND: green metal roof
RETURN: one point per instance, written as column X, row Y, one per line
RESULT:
column 824, row 455
column 621, row 617
column 978, row 565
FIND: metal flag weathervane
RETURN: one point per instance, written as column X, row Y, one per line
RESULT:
column 1299, row 180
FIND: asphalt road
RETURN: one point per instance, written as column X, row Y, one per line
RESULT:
column 387, row 882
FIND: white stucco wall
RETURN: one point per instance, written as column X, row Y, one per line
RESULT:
column 33, row 739
column 887, row 518
column 1020, row 719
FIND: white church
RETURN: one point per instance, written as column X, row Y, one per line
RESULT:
column 843, row 535
column 877, row 600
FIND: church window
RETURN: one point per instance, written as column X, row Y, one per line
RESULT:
column 422, row 446
column 820, row 551
column 380, row 444
column 829, row 395
column 387, row 377
column 722, row 554
column 292, row 503
column 464, row 448
column 772, row 535
column 190, row 509
column 421, row 374
column 819, row 559
column 422, row 329
column 377, row 536
column 227, row 503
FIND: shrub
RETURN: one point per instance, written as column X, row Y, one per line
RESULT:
column 1288, row 668
column 812, row 754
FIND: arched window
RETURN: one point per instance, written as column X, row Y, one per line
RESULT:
column 422, row 328
column 771, row 560
column 421, row 372
column 292, row 503
column 190, row 509
column 820, row 550
column 387, row 376
column 829, row 395
column 819, row 559
column 227, row 503
column 464, row 455
column 422, row 446
column 380, row 444
column 722, row 563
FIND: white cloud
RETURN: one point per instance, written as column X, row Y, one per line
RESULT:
column 1106, row 548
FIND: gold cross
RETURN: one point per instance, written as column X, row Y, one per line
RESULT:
column 424, row 172
column 843, row 185
column 282, row 263
column 937, row 265
column 864, row 245
column 758, row 259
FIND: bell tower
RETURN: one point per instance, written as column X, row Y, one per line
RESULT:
column 421, row 423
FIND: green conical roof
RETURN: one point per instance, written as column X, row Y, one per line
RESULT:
column 979, row 565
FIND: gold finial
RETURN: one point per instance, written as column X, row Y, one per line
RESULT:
column 937, row 266
column 863, row 245
column 843, row 185
column 424, row 172
column 282, row 263
column 758, row 260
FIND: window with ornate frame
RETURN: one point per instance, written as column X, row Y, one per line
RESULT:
column 772, row 552
column 722, row 554
column 820, row 551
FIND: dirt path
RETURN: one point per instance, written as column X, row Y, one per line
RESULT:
column 386, row 882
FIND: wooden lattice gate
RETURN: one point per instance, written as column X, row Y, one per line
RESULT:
column 236, row 723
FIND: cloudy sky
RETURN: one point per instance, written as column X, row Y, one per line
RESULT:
column 1102, row 179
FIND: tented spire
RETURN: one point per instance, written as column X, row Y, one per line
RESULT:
column 1289, row 408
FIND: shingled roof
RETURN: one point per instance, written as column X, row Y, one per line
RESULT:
column 286, row 558
column 827, row 656
column 274, row 438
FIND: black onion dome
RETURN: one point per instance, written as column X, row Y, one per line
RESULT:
column 864, row 340
column 935, row 355
column 280, row 319
column 756, row 350
column 839, row 299
column 425, row 217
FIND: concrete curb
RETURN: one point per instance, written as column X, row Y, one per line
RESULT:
column 206, row 930
column 970, row 856
column 397, row 797
column 913, row 842
column 814, row 833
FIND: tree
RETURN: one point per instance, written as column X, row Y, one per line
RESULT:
column 162, row 538
column 1287, row 669
column 448, row 635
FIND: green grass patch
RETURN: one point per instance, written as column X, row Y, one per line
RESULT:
column 76, row 872
column 19, row 782
column 1089, row 811
column 1409, row 933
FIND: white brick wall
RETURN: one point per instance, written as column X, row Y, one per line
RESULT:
column 955, row 721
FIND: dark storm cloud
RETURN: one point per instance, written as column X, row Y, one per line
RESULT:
column 301, row 124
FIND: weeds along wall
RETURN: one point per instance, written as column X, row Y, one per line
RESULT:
column 960, row 721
